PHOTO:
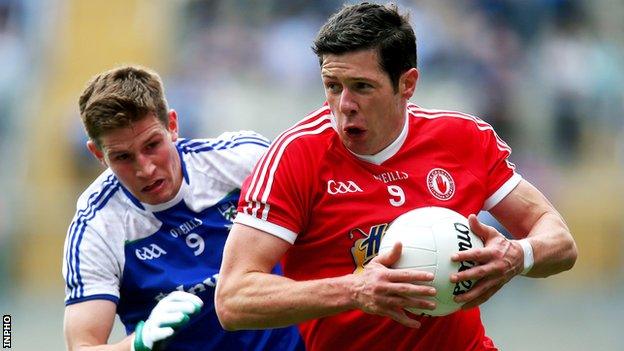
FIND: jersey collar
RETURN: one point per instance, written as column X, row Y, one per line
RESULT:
column 165, row 205
column 390, row 150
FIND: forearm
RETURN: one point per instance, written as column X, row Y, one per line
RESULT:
column 554, row 249
column 123, row 345
column 264, row 300
column 87, row 327
column 526, row 213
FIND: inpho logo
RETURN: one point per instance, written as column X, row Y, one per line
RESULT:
column 6, row 331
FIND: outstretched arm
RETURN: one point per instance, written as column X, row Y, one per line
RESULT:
column 527, row 214
column 250, row 297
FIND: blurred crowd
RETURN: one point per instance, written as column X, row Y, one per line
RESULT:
column 547, row 70
column 16, row 43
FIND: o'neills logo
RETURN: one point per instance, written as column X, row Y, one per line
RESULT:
column 440, row 184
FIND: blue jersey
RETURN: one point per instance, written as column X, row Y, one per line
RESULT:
column 134, row 254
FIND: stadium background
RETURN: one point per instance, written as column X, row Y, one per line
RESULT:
column 547, row 74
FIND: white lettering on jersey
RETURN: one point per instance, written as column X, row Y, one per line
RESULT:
column 149, row 252
column 387, row 177
column 398, row 194
column 196, row 242
column 186, row 227
column 334, row 187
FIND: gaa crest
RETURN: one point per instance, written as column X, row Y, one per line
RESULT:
column 440, row 184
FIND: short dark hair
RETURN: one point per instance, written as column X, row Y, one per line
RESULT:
column 370, row 26
column 119, row 97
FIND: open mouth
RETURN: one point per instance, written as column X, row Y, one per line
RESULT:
column 153, row 186
column 354, row 132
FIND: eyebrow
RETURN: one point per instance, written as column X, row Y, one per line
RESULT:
column 113, row 153
column 329, row 76
column 122, row 151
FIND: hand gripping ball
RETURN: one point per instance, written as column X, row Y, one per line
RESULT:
column 430, row 235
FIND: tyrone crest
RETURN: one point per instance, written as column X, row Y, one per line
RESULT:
column 440, row 184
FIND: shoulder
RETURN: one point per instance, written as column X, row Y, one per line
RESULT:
column 447, row 121
column 454, row 128
column 102, row 208
column 310, row 134
column 468, row 138
column 102, row 193
column 225, row 141
column 229, row 151
column 295, row 155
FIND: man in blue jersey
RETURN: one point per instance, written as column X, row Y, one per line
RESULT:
column 147, row 237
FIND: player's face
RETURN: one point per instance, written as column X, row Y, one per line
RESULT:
column 144, row 158
column 369, row 113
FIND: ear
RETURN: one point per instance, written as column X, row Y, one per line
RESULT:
column 407, row 83
column 96, row 152
column 172, row 125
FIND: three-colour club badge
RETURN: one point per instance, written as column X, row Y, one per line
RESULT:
column 440, row 184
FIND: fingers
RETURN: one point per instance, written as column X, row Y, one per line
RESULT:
column 487, row 234
column 394, row 307
column 378, row 268
column 478, row 255
column 497, row 263
column 483, row 231
column 179, row 301
column 184, row 296
column 372, row 292
column 172, row 319
column 474, row 273
column 489, row 279
column 387, row 292
column 400, row 316
column 480, row 293
column 389, row 258
column 407, row 275
column 495, row 244
column 161, row 333
column 401, row 302
column 499, row 258
column 174, row 311
column 186, row 307
column 412, row 290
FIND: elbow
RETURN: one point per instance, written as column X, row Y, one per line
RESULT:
column 226, row 320
column 572, row 256
column 225, row 314
column 567, row 255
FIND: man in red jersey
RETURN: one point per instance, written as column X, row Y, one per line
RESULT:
column 323, row 195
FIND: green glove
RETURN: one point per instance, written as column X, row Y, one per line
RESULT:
column 168, row 315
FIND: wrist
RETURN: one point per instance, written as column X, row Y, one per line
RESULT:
column 527, row 249
column 138, row 343
column 348, row 290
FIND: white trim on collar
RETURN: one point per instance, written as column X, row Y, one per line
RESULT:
column 165, row 205
column 390, row 150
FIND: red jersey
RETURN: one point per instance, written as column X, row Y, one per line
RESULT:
column 335, row 206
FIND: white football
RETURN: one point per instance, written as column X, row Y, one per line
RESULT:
column 430, row 235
